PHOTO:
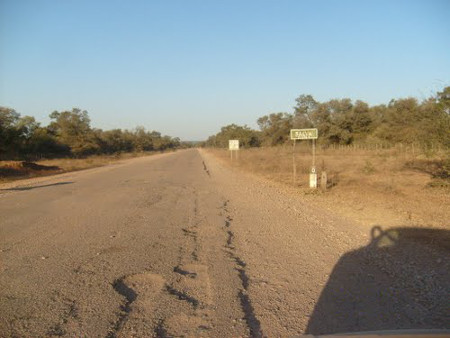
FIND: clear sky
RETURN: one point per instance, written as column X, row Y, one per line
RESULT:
column 187, row 68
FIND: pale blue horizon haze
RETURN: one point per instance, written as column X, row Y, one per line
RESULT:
column 187, row 68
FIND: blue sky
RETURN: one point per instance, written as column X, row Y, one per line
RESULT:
column 187, row 68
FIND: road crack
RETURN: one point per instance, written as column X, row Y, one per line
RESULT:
column 182, row 296
column 252, row 321
column 205, row 168
column 130, row 296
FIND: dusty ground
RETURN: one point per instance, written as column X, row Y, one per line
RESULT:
column 181, row 245
column 19, row 170
column 385, row 186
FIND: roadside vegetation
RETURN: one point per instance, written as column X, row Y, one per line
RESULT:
column 407, row 121
column 68, row 143
column 387, row 164
column 405, row 128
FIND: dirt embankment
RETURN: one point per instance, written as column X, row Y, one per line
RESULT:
column 371, row 187
column 18, row 170
column 12, row 170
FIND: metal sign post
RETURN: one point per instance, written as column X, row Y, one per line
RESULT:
column 305, row 134
column 294, row 165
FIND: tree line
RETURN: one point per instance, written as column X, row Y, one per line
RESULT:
column 70, row 134
column 344, row 122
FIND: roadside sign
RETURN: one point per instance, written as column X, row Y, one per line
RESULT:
column 304, row 134
column 233, row 144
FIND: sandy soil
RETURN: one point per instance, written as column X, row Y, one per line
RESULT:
column 371, row 188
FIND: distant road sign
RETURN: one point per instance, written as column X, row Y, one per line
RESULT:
column 233, row 144
column 304, row 134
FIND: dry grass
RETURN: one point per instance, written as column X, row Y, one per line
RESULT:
column 380, row 186
column 73, row 164
column 14, row 170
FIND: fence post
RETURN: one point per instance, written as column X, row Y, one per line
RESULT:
column 323, row 181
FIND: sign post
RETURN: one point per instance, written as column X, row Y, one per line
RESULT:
column 233, row 145
column 306, row 134
column 294, row 164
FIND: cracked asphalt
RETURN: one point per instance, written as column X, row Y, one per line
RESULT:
column 180, row 245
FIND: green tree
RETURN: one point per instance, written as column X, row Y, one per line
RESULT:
column 73, row 129
column 42, row 143
column 142, row 140
column 275, row 128
column 247, row 137
column 443, row 100
column 305, row 107
column 362, row 121
column 114, row 141
column 9, row 135
column 400, row 122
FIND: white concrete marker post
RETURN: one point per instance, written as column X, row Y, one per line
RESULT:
column 233, row 145
column 313, row 174
column 306, row 134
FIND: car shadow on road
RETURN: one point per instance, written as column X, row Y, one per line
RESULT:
column 36, row 186
column 401, row 280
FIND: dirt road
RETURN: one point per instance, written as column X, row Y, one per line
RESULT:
column 179, row 245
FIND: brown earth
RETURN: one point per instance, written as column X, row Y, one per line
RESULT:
column 19, row 170
column 385, row 186
column 182, row 245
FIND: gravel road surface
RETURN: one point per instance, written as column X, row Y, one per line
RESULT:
column 181, row 245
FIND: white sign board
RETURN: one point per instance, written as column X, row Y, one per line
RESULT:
column 304, row 134
column 233, row 144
